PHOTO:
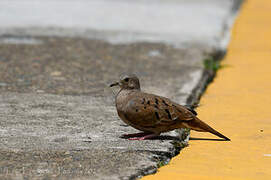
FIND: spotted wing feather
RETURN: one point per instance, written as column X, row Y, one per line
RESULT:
column 149, row 110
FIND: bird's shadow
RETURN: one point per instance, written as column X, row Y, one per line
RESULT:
column 166, row 137
column 207, row 139
column 176, row 138
column 161, row 137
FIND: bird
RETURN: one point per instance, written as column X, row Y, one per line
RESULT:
column 152, row 114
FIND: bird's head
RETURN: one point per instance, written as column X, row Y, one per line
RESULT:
column 128, row 81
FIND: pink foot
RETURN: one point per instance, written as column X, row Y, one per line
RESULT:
column 149, row 136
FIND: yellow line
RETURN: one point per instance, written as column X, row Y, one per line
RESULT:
column 238, row 104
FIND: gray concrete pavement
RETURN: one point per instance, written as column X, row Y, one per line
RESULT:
column 57, row 115
column 179, row 22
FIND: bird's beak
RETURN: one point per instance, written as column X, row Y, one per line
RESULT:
column 114, row 84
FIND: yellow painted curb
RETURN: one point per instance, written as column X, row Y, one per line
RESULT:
column 237, row 104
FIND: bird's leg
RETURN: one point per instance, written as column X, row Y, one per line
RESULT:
column 135, row 135
column 149, row 136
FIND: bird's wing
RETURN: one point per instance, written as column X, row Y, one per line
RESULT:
column 148, row 110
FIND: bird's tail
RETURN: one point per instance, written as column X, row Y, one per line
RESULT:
column 199, row 125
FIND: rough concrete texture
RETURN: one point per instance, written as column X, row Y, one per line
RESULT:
column 178, row 22
column 57, row 115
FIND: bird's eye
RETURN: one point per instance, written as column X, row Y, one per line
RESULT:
column 126, row 79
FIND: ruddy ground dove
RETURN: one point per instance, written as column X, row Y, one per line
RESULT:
column 153, row 114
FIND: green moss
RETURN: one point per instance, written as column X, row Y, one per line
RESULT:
column 179, row 144
column 161, row 163
column 211, row 64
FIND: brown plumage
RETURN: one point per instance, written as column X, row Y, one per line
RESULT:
column 154, row 114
